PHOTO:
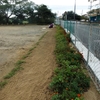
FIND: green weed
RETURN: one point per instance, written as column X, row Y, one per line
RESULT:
column 2, row 84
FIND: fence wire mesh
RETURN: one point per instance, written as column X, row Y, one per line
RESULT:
column 86, row 38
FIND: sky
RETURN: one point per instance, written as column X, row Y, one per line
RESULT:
column 60, row 6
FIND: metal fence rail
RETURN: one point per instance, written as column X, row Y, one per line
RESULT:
column 86, row 37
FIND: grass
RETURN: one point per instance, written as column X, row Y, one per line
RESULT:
column 2, row 84
column 19, row 63
column 28, row 53
column 43, row 36
column 15, row 70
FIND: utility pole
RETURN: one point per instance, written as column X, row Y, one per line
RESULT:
column 99, row 7
column 74, row 9
column 74, row 20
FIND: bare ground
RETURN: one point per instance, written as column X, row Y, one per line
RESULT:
column 32, row 82
column 16, row 40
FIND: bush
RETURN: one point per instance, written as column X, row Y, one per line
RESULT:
column 69, row 81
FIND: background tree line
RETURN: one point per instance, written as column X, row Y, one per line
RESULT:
column 19, row 11
column 70, row 15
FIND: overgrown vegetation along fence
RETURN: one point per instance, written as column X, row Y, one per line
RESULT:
column 69, row 81
column 86, row 37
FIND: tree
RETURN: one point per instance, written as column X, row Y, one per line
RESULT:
column 4, row 10
column 70, row 16
column 8, row 8
column 28, row 11
column 24, row 10
column 44, row 15
column 19, row 10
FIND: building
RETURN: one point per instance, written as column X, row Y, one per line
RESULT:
column 94, row 15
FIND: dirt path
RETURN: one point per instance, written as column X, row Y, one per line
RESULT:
column 32, row 82
column 92, row 93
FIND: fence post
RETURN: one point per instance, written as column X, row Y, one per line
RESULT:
column 67, row 26
column 75, row 28
column 70, row 26
column 89, row 36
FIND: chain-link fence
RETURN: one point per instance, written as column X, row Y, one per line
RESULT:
column 86, row 37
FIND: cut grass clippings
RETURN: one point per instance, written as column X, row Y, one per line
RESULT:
column 18, row 65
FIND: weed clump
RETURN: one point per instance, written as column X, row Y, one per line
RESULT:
column 2, row 84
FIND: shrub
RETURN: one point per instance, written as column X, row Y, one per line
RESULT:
column 69, row 80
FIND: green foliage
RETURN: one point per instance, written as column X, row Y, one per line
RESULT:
column 8, row 8
column 58, row 84
column 69, row 80
column 19, row 63
column 56, row 97
column 44, row 15
column 70, row 16
column 2, row 84
column 23, row 10
column 15, row 70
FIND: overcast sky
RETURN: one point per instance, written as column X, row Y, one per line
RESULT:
column 60, row 6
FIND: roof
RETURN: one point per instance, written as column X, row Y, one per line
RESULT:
column 94, row 12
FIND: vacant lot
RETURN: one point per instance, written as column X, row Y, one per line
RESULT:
column 32, row 82
column 16, row 40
